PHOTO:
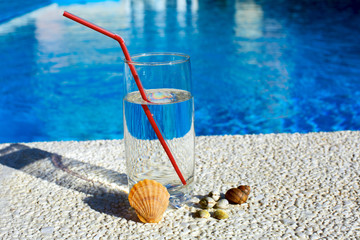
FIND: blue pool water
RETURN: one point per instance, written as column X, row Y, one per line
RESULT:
column 259, row 66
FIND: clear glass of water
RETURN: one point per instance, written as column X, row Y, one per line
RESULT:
column 166, row 79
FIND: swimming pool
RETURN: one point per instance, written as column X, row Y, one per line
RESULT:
column 258, row 66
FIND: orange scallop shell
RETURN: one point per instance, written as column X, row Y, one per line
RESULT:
column 150, row 200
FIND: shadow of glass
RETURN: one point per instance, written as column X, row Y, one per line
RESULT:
column 106, row 187
column 115, row 204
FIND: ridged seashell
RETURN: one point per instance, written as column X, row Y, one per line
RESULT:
column 245, row 189
column 214, row 195
column 207, row 202
column 202, row 214
column 222, row 203
column 220, row 214
column 238, row 195
column 150, row 199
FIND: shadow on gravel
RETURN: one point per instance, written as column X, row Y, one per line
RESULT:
column 115, row 204
column 104, row 185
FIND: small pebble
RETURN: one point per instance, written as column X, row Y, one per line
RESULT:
column 259, row 197
column 47, row 230
column 194, row 227
column 220, row 214
column 301, row 235
column 314, row 236
column 222, row 203
column 288, row 221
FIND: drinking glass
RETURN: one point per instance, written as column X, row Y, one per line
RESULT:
column 166, row 79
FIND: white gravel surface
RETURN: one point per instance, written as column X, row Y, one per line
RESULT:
column 304, row 186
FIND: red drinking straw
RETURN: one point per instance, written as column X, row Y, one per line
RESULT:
column 138, row 84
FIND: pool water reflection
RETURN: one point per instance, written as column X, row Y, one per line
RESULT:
column 258, row 67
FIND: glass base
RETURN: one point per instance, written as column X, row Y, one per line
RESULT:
column 178, row 201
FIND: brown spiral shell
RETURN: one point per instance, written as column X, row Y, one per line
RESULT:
column 238, row 195
column 245, row 189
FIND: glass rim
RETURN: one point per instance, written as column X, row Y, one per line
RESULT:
column 184, row 58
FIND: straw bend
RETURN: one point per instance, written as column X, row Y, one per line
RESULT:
column 90, row 25
column 115, row 37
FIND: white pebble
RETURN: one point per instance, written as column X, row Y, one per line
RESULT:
column 301, row 235
column 288, row 221
column 259, row 197
column 47, row 230
column 314, row 236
